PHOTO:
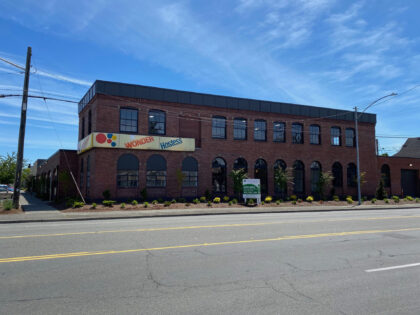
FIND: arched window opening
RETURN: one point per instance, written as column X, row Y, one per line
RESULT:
column 315, row 175
column 240, row 163
column 127, row 171
column 190, row 171
column 337, row 173
column 351, row 175
column 156, row 171
column 386, row 175
column 281, row 188
column 299, row 177
column 260, row 171
column 218, row 169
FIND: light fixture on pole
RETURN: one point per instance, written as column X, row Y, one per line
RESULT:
column 356, row 117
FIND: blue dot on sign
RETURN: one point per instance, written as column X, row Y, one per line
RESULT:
column 109, row 135
column 113, row 144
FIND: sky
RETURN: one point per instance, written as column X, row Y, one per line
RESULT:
column 329, row 53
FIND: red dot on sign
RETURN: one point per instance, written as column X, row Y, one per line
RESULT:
column 100, row 138
column 109, row 140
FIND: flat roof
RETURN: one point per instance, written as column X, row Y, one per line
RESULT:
column 227, row 102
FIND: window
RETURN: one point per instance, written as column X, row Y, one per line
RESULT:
column 83, row 128
column 127, row 171
column 128, row 120
column 260, row 171
column 297, row 133
column 350, row 137
column 157, row 122
column 337, row 173
column 239, row 129
column 156, row 171
column 335, row 136
column 279, row 132
column 81, row 173
column 314, row 134
column 218, row 170
column 89, row 122
column 87, row 175
column 315, row 175
column 351, row 175
column 218, row 127
column 190, row 171
column 282, row 188
column 260, row 130
column 240, row 163
column 298, row 177
column 386, row 175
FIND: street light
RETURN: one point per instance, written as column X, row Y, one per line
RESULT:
column 356, row 117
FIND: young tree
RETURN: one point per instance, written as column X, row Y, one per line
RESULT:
column 282, row 178
column 180, row 176
column 237, row 177
column 324, row 183
column 380, row 191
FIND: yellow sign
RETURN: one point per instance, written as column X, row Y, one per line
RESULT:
column 137, row 142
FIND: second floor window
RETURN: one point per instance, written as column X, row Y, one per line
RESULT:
column 260, row 130
column 297, row 133
column 218, row 127
column 128, row 120
column 314, row 134
column 279, row 132
column 83, row 128
column 89, row 122
column 335, row 136
column 157, row 122
column 350, row 138
column 239, row 129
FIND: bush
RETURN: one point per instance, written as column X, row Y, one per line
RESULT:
column 409, row 198
column 160, row 200
column 373, row 200
column 380, row 191
column 203, row 199
column 207, row 193
column 181, row 200
column 94, row 205
column 7, row 204
column 216, row 200
column 294, row 202
column 250, row 202
column 278, row 202
column 293, row 197
column 69, row 202
column 108, row 203
column 309, row 199
column 226, row 199
column 349, row 200
column 143, row 194
column 364, row 198
column 155, row 202
column 196, row 201
column 299, row 200
column 209, row 203
column 146, row 204
column 173, row 201
column 230, row 203
column 336, row 198
column 134, row 203
column 396, row 199
column 386, row 200
column 262, row 203
column 78, row 204
column 417, row 200
column 268, row 199
column 106, row 194
column 234, row 201
column 167, row 203
column 122, row 205
column 187, row 204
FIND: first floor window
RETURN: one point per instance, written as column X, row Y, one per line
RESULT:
column 351, row 175
column 127, row 171
column 156, row 171
column 190, row 172
column 218, row 170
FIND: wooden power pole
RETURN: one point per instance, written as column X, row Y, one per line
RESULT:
column 19, row 162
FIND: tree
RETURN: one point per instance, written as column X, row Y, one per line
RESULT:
column 283, row 177
column 324, row 182
column 380, row 191
column 8, row 169
column 238, row 176
column 180, row 176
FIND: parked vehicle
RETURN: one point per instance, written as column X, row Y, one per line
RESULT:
column 5, row 192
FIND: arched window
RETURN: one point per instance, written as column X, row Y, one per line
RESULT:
column 315, row 175
column 297, row 133
column 127, row 171
column 240, row 163
column 239, row 129
column 81, row 173
column 88, row 172
column 337, row 173
column 314, row 134
column 386, row 175
column 282, row 188
column 260, row 171
column 351, row 175
column 218, row 169
column 260, row 130
column 190, row 171
column 218, row 127
column 157, row 122
column 336, row 136
column 299, row 177
column 156, row 171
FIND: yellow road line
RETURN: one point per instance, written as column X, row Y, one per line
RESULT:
column 207, row 226
column 281, row 238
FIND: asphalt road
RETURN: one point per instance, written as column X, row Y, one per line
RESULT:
column 285, row 263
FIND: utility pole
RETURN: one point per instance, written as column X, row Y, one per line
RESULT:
column 19, row 162
column 359, row 194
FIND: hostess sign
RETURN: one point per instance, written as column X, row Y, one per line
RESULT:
column 123, row 141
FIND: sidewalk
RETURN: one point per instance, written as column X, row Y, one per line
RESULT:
column 39, row 211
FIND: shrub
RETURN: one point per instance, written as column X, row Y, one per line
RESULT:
column 417, row 200
column 294, row 202
column 196, row 201
column 173, row 201
column 278, row 202
column 69, row 202
column 234, row 201
column 299, row 200
column 309, row 199
column 293, row 197
column 181, row 200
column 262, row 203
column 187, row 204
column 209, row 203
column 108, row 203
column 250, row 202
column 77, row 204
column 216, row 200
column 155, row 202
column 380, row 191
column 268, row 199
column 364, row 198
column 396, row 199
column 160, row 200
column 230, row 203
column 106, row 194
column 373, row 200
column 146, row 204
column 409, row 198
column 336, row 198
column 349, row 200
column 143, row 194
column 225, row 199
column 134, row 203
column 203, row 199
column 7, row 204
column 122, row 205
column 207, row 193
column 94, row 205
column 167, row 203
column 386, row 200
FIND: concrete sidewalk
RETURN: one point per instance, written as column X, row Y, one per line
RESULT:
column 45, row 213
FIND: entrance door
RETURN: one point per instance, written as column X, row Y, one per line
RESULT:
column 409, row 185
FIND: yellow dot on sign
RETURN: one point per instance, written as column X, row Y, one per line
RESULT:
column 114, row 137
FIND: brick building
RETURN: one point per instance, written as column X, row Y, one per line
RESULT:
column 133, row 137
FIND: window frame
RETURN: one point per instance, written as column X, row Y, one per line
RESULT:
column 128, row 178
column 190, row 173
column 153, row 174
column 351, row 183
column 279, row 131
column 240, row 125
column 215, row 128
column 126, row 119
column 353, row 138
column 315, row 135
column 294, row 133
column 156, row 113
column 257, row 132
column 334, row 136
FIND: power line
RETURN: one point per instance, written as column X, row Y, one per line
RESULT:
column 13, row 64
column 41, row 97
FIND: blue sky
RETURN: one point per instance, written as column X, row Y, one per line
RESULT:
column 330, row 53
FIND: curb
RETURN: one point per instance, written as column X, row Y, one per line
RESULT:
column 200, row 214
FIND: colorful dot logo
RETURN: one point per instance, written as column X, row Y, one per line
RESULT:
column 108, row 138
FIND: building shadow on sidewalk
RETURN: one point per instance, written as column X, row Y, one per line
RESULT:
column 31, row 203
